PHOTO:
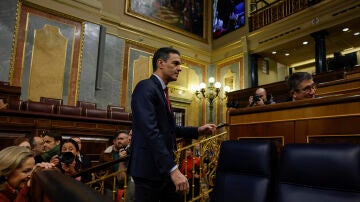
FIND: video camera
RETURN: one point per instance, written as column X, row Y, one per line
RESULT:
column 256, row 98
column 66, row 158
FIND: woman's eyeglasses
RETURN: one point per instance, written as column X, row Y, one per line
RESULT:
column 307, row 89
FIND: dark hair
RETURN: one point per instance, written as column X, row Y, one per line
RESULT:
column 116, row 134
column 32, row 141
column 78, row 164
column 163, row 53
column 54, row 134
column 71, row 141
column 296, row 78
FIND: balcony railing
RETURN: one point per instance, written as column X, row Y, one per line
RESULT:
column 275, row 12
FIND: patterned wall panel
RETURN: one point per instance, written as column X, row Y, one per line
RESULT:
column 67, row 59
column 137, row 65
column 7, row 26
column 112, row 76
column 229, row 72
column 48, row 60
column 89, row 63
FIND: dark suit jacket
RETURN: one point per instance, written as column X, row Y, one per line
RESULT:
column 154, row 129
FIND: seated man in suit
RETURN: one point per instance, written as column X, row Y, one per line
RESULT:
column 301, row 86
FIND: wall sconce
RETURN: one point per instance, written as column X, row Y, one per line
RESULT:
column 211, row 93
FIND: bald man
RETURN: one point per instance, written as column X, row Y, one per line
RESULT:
column 260, row 98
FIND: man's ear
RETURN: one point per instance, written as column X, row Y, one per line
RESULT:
column 57, row 142
column 292, row 93
column 160, row 63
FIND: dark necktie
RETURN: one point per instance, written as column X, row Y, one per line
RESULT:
column 167, row 98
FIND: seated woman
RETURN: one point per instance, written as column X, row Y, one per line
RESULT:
column 69, row 162
column 16, row 166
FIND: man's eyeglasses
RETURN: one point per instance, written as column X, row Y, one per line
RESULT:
column 307, row 89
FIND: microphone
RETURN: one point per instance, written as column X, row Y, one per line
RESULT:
column 220, row 125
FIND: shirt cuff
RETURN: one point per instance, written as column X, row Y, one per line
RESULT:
column 173, row 168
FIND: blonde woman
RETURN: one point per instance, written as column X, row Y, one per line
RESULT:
column 16, row 166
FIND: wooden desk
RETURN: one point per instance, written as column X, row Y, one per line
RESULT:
column 347, row 85
column 328, row 119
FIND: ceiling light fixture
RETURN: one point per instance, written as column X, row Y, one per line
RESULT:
column 305, row 42
column 274, row 52
column 356, row 33
column 287, row 54
column 345, row 29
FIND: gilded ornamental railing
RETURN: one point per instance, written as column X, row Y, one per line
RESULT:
column 197, row 161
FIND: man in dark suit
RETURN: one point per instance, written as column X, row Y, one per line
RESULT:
column 156, row 175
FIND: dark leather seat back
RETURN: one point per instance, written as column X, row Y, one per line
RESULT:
column 314, row 172
column 56, row 102
column 69, row 110
column 53, row 101
column 115, row 108
column 39, row 107
column 98, row 113
column 245, row 172
column 119, row 115
column 86, row 105
column 15, row 104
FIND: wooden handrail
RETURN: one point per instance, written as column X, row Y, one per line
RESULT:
column 100, row 167
column 52, row 185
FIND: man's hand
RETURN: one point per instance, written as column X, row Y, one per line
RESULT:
column 122, row 153
column 256, row 103
column 55, row 160
column 180, row 181
column 260, row 102
column 251, row 99
column 207, row 129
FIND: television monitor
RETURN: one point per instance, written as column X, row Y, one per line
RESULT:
column 229, row 15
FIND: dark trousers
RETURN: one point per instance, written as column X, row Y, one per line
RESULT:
column 155, row 191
